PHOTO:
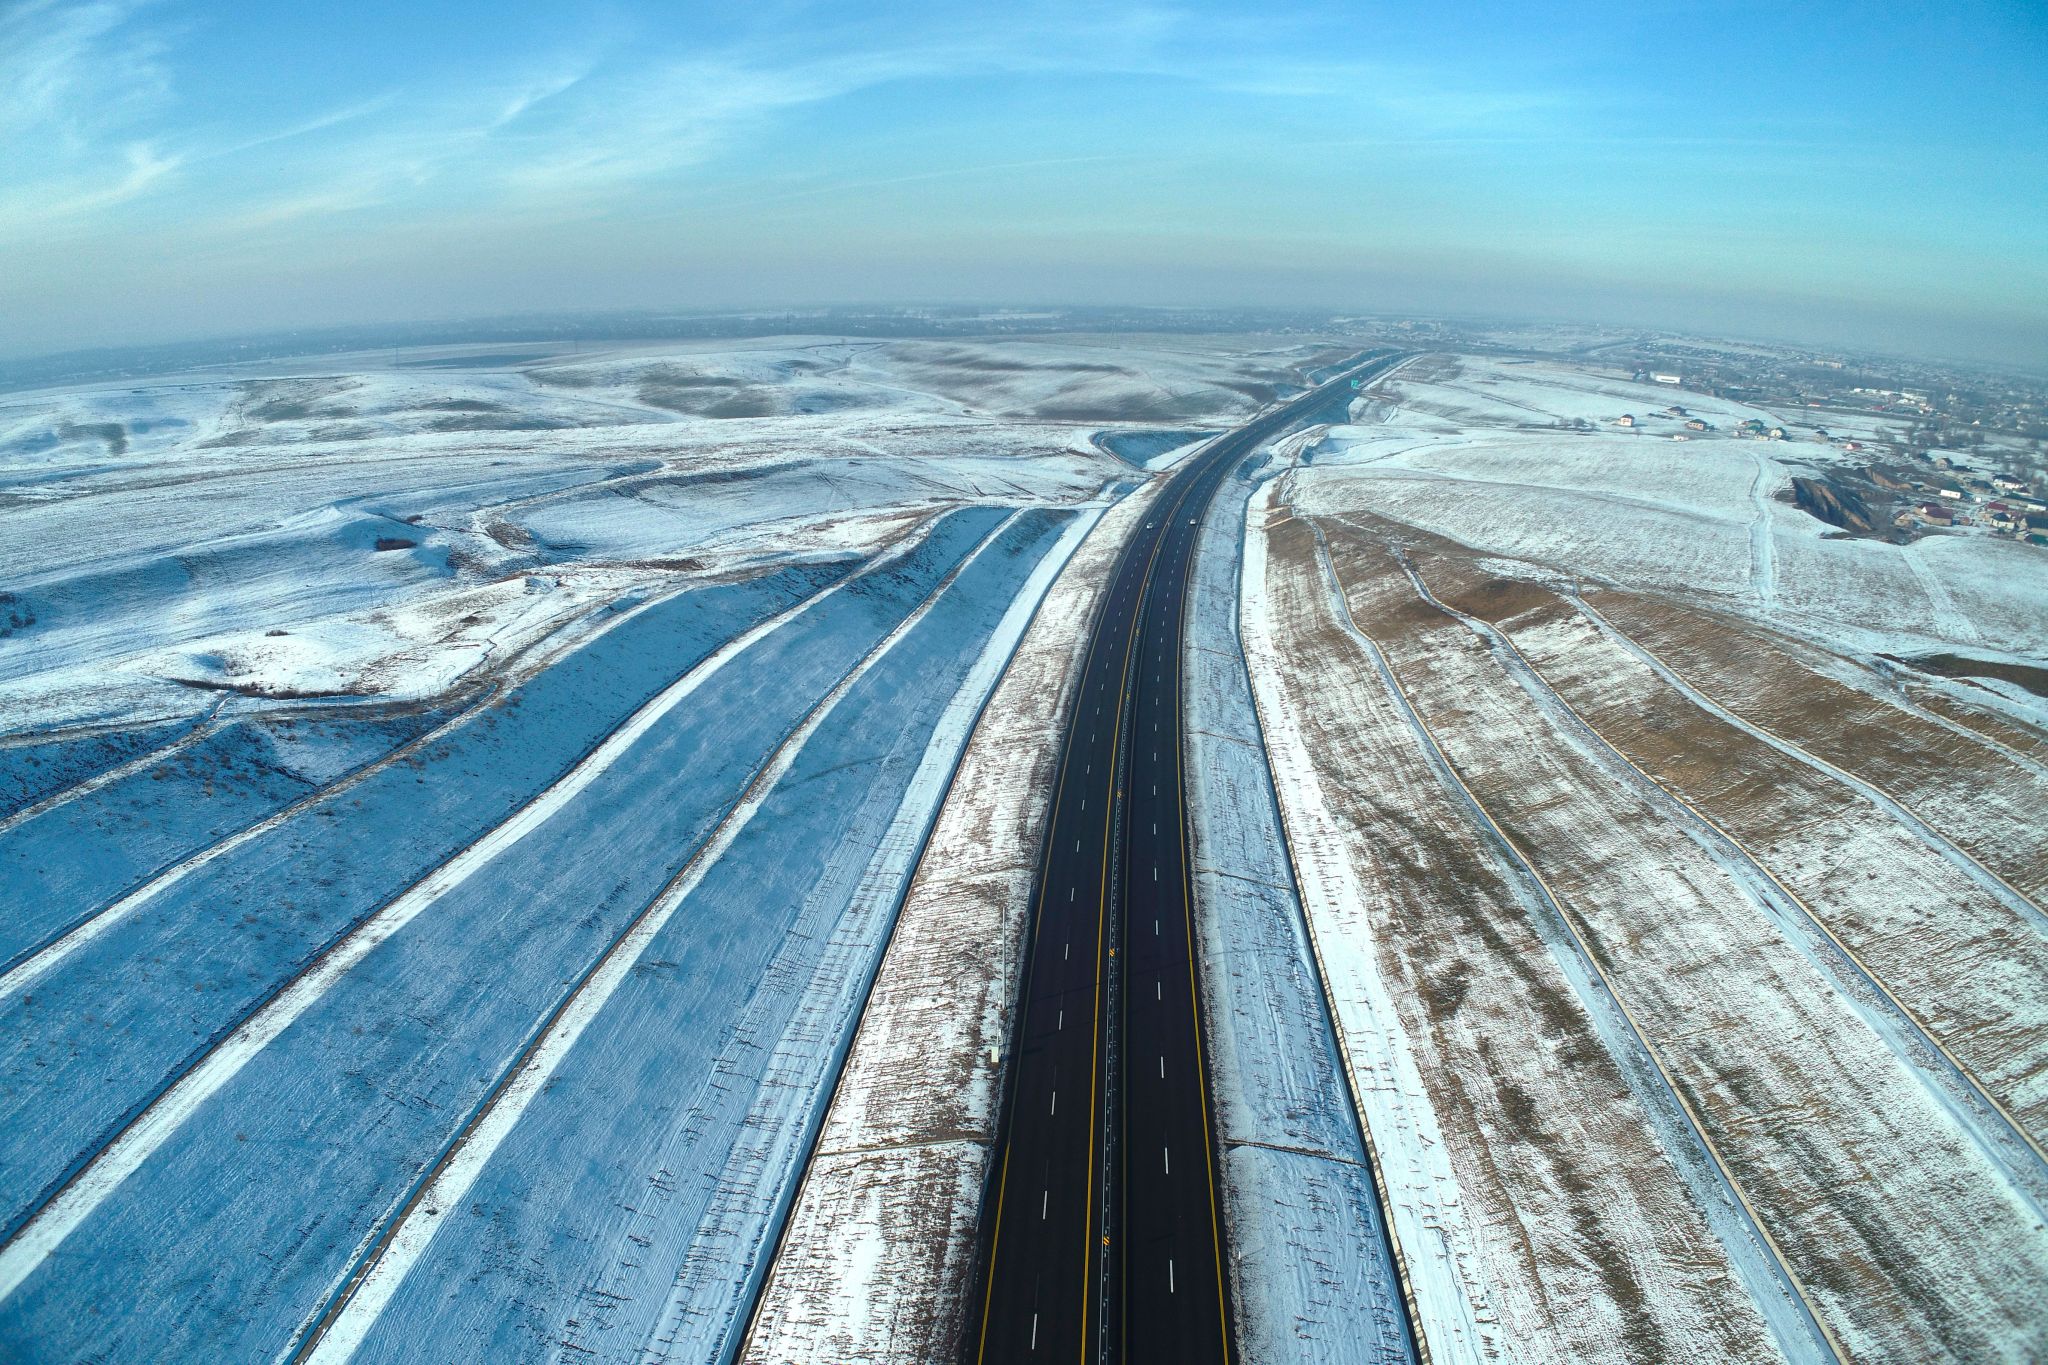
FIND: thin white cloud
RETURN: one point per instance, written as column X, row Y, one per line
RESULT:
column 319, row 123
column 74, row 81
column 576, row 135
column 70, row 70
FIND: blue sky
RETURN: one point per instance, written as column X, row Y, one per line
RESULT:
column 1873, row 173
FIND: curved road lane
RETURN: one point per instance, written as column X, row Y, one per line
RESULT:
column 1103, row 1236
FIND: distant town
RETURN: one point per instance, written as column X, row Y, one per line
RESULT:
column 1905, row 448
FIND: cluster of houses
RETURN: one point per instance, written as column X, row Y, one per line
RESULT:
column 1693, row 425
column 2003, row 503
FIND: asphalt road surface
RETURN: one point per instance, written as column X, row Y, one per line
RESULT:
column 1103, row 1237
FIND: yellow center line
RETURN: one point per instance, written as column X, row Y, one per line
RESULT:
column 1101, row 928
column 1037, row 931
column 1102, row 918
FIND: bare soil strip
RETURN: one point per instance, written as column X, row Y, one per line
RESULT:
column 1909, row 1242
column 1977, row 795
column 1564, row 1217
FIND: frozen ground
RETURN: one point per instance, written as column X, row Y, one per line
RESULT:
column 471, row 805
column 558, row 830
column 1789, row 884
column 1312, row 1264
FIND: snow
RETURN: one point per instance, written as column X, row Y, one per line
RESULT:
column 1445, row 393
column 1482, row 451
column 1083, row 379
column 1313, row 1272
column 559, row 829
column 1982, row 795
column 1965, row 942
column 226, row 532
column 121, row 1159
column 418, row 968
column 1808, row 880
column 221, row 935
column 1387, row 858
column 1149, row 448
column 1948, row 1080
column 84, row 863
column 875, row 1263
column 453, row 1183
column 34, row 771
column 1902, row 1229
column 410, row 807
column 654, row 1165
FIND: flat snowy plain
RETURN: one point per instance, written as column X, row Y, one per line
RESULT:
column 528, row 859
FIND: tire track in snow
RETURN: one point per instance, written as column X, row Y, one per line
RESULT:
column 202, row 726
column 1902, row 1029
column 381, row 1265
column 1763, row 549
column 1804, row 1337
column 43, row 1231
column 2002, row 890
column 48, row 956
column 1946, row 613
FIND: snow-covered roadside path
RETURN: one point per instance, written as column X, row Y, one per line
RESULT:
column 1314, row 1270
column 1763, row 545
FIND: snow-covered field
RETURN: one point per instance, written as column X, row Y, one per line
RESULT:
column 879, row 1250
column 470, row 804
column 1487, row 453
column 1659, row 904
column 528, row 858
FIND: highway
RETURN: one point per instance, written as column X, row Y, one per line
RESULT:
column 1102, row 1230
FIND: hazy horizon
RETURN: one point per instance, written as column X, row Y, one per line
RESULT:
column 1860, row 179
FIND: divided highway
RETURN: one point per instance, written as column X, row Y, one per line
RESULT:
column 1103, row 1237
